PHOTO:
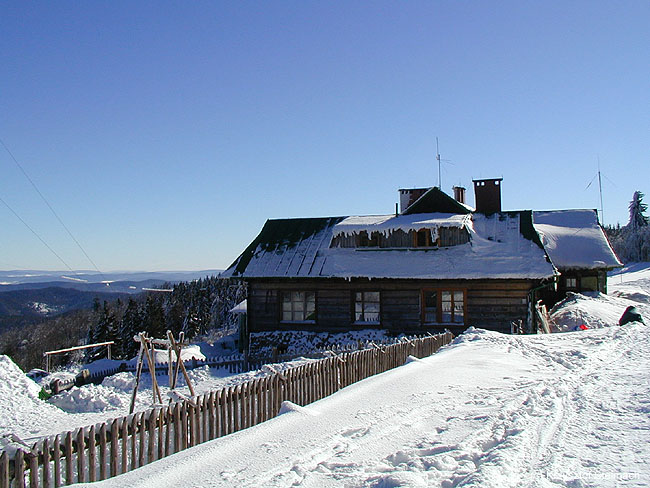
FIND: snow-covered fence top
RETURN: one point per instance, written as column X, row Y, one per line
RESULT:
column 105, row 450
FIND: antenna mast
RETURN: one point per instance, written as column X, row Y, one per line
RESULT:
column 600, row 189
column 438, row 158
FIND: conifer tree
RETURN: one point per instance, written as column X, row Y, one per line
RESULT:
column 130, row 326
column 637, row 210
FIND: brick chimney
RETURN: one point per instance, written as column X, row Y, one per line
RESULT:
column 459, row 193
column 488, row 195
column 407, row 197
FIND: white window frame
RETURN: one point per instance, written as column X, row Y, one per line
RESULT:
column 298, row 307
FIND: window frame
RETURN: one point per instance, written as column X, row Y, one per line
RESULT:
column 304, row 310
column 574, row 280
column 353, row 307
column 428, row 242
column 439, row 317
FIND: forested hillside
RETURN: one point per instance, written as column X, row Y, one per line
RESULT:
column 195, row 308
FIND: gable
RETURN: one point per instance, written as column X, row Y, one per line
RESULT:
column 436, row 201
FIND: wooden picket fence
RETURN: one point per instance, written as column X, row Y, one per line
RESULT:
column 105, row 450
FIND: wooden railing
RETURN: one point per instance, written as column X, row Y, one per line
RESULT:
column 123, row 444
column 234, row 363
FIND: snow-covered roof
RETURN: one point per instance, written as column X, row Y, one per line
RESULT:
column 502, row 246
column 385, row 224
column 574, row 239
column 240, row 308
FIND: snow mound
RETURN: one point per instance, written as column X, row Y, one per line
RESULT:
column 90, row 398
column 634, row 294
column 23, row 413
column 187, row 353
column 288, row 406
column 13, row 381
column 120, row 381
column 595, row 311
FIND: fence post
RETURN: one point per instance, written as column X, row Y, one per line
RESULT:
column 45, row 449
column 19, row 468
column 81, row 455
column 92, row 455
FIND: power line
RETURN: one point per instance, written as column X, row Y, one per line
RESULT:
column 36, row 234
column 51, row 209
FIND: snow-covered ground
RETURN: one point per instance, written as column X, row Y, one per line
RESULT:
column 570, row 409
column 491, row 410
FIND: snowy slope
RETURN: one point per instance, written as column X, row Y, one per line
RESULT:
column 491, row 410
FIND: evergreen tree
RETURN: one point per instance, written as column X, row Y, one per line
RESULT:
column 632, row 242
column 130, row 325
column 637, row 209
column 154, row 316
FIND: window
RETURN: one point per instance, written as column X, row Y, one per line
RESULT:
column 422, row 238
column 430, row 306
column 572, row 282
column 364, row 241
column 443, row 307
column 299, row 306
column 366, row 306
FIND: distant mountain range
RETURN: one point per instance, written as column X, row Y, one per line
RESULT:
column 114, row 282
column 27, row 297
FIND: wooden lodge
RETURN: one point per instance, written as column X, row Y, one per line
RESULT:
column 438, row 264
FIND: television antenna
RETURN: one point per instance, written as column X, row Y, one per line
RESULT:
column 440, row 161
column 599, row 175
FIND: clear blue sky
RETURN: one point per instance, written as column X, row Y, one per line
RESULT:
column 164, row 134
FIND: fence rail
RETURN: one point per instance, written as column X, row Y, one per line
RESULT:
column 105, row 450
column 234, row 363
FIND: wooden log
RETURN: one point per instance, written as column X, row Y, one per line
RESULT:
column 207, row 417
column 4, row 470
column 211, row 411
column 258, row 401
column 161, row 434
column 102, row 452
column 133, row 441
column 32, row 459
column 177, row 347
column 45, row 449
column 137, row 375
column 244, row 405
column 152, row 369
column 184, row 426
column 309, row 384
column 177, row 427
column 81, row 455
column 196, row 411
column 236, row 408
column 142, row 440
column 56, row 460
column 266, row 385
column 69, row 462
column 223, row 412
column 168, row 428
column 192, row 425
column 19, row 469
column 124, row 439
column 92, row 455
column 273, row 395
column 151, row 437
column 114, row 447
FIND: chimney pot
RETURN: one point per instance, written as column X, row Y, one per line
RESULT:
column 459, row 194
